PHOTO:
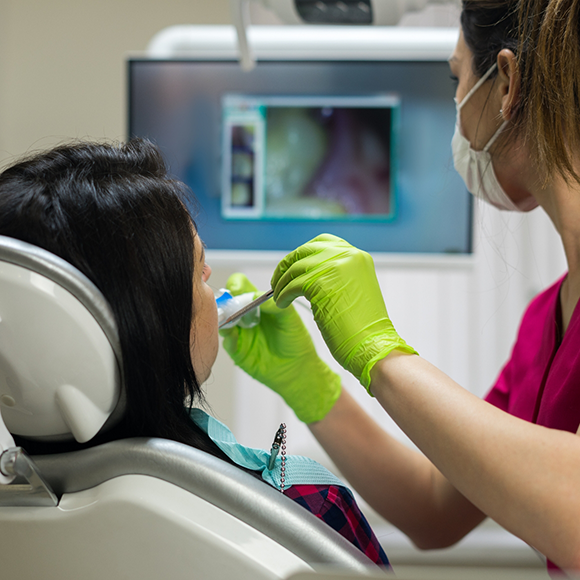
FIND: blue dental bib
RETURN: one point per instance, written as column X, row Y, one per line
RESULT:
column 299, row 469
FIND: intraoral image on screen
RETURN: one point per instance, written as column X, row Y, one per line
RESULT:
column 309, row 158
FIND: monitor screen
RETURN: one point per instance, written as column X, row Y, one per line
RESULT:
column 290, row 150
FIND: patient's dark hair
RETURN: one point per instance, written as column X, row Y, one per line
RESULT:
column 115, row 213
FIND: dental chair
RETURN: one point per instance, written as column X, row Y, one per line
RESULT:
column 135, row 508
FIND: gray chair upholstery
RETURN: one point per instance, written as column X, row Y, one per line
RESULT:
column 219, row 483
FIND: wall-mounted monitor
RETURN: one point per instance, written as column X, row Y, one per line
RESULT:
column 275, row 156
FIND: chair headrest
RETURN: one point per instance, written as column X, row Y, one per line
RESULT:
column 60, row 356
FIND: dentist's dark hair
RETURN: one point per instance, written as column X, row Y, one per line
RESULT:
column 544, row 35
column 113, row 212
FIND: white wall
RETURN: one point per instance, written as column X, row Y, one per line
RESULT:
column 62, row 64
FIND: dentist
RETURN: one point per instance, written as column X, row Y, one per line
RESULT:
column 515, row 456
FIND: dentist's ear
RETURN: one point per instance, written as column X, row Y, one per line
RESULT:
column 509, row 82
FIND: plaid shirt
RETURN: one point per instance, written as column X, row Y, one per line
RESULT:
column 337, row 507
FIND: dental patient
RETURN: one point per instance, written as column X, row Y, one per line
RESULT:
column 113, row 212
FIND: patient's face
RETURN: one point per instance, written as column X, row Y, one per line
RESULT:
column 204, row 338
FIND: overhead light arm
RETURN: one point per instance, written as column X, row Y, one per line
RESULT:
column 241, row 18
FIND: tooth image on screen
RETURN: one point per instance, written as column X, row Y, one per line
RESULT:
column 310, row 157
column 327, row 161
column 296, row 146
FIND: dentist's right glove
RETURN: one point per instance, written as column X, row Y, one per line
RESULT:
column 340, row 283
column 279, row 353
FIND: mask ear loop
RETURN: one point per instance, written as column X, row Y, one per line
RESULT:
column 477, row 85
column 495, row 136
column 471, row 92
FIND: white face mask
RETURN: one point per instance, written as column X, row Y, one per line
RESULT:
column 475, row 167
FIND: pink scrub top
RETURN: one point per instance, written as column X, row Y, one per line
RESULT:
column 541, row 381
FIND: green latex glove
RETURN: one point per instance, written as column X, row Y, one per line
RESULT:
column 340, row 283
column 279, row 353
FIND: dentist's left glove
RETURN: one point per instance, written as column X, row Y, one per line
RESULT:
column 280, row 354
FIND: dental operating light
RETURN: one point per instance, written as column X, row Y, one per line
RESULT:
column 323, row 12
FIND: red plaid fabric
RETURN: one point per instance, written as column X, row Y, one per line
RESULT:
column 337, row 507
